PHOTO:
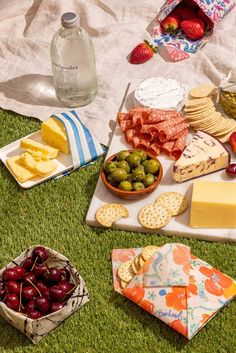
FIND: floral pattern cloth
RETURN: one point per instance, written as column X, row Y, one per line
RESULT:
column 214, row 9
column 180, row 289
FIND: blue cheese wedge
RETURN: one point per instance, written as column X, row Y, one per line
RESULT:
column 159, row 93
column 204, row 155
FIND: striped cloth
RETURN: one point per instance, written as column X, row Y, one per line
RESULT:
column 84, row 146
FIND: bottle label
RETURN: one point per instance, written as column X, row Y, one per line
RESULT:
column 65, row 68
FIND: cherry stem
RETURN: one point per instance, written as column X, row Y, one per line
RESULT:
column 34, row 287
column 34, row 264
column 75, row 286
column 20, row 303
column 45, row 264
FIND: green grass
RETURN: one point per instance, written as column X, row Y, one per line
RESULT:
column 53, row 214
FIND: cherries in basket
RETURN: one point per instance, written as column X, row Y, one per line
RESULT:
column 35, row 289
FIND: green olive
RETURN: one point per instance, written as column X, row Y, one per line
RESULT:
column 138, row 174
column 129, row 178
column 109, row 167
column 119, row 174
column 152, row 166
column 111, row 181
column 142, row 154
column 138, row 186
column 125, row 185
column 122, row 155
column 144, row 163
column 134, row 160
column 149, row 180
column 124, row 165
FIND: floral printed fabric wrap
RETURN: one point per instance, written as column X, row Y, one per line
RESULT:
column 183, row 291
column 178, row 46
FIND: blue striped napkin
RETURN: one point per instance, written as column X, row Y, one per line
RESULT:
column 84, row 146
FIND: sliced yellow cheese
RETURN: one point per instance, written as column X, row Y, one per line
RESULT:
column 33, row 146
column 21, row 173
column 54, row 133
column 213, row 205
column 37, row 166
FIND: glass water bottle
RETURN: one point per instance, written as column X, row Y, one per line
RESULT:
column 73, row 63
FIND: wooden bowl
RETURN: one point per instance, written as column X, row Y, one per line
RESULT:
column 131, row 194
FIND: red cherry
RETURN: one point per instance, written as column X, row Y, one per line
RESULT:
column 40, row 253
column 66, row 286
column 55, row 306
column 13, row 287
column 10, row 274
column 12, row 301
column 29, row 278
column 57, row 293
column 20, row 270
column 65, row 274
column 29, row 306
column 53, row 276
column 34, row 314
column 47, row 294
column 42, row 304
column 39, row 270
column 41, row 287
column 27, row 263
column 29, row 293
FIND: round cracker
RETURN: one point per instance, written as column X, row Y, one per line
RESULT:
column 199, row 108
column 174, row 201
column 110, row 213
column 197, row 102
column 141, row 261
column 148, row 251
column 123, row 284
column 125, row 272
column 134, row 269
column 203, row 91
column 154, row 216
column 198, row 114
column 136, row 262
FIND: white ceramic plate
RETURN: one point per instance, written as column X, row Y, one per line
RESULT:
column 63, row 161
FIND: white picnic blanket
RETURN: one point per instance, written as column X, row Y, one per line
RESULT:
column 26, row 30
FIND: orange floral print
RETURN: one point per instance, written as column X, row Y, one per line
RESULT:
column 181, row 256
column 135, row 294
column 216, row 282
column 123, row 255
column 192, row 288
column 230, row 292
column 147, row 305
column 178, row 326
column 177, row 299
column 205, row 317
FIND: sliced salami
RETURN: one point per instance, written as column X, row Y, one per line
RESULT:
column 167, row 147
column 154, row 149
column 179, row 145
column 137, row 119
column 171, row 131
column 130, row 133
column 125, row 125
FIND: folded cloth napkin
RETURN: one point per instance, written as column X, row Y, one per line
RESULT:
column 84, row 146
column 177, row 287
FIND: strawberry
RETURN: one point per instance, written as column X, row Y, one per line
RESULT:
column 232, row 141
column 171, row 23
column 142, row 53
column 205, row 19
column 193, row 29
column 185, row 13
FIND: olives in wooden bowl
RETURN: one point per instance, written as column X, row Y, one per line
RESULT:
column 131, row 174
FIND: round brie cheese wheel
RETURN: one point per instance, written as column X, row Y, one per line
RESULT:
column 160, row 93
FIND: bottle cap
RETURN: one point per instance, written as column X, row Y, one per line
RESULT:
column 69, row 19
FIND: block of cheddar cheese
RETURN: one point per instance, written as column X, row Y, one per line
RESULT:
column 213, row 205
column 37, row 147
column 54, row 134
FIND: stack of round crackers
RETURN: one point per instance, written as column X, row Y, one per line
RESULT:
column 202, row 115
column 159, row 213
column 130, row 268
